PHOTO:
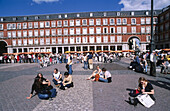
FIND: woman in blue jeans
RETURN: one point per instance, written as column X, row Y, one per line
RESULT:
column 107, row 76
column 67, row 82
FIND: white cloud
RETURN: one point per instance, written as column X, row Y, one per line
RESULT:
column 143, row 4
column 47, row 1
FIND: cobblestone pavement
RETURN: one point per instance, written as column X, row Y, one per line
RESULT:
column 16, row 81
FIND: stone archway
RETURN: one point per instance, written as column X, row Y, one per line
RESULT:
column 134, row 43
column 3, row 47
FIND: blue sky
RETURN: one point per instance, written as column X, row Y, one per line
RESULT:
column 34, row 7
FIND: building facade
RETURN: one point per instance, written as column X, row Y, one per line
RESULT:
column 162, row 37
column 57, row 33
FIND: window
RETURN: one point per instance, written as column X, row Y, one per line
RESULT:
column 41, row 32
column 41, row 41
column 166, row 36
column 1, row 34
column 105, row 22
column 59, row 23
column 65, row 23
column 105, row 39
column 9, row 26
column 98, row 30
column 47, row 32
column 53, row 40
column 119, row 30
column 84, row 30
column 147, row 20
column 124, row 21
column 91, row 39
column 36, row 33
column 30, row 33
column 142, row 20
column 30, row 25
column 91, row 22
column 78, row 39
column 98, row 21
column 148, row 30
column 91, row 14
column 2, row 19
column 161, row 28
column 65, row 40
column 77, row 22
column 65, row 31
column 24, row 25
column 13, row 34
column 105, row 30
column 35, row 24
column 36, row 17
column 53, row 32
column 36, row 41
column 71, row 22
column 98, row 39
column 18, row 25
column 47, row 41
column 47, row 24
column 14, row 42
column 84, row 39
column 59, row 16
column 118, row 13
column 124, row 30
column 132, row 13
column 84, row 22
column 19, row 42
column 119, row 39
column 19, row 34
column 112, row 29
column 133, row 21
column 161, row 18
column 13, row 26
column 142, row 29
column 72, row 40
column 25, row 41
column 41, row 24
column 78, row 31
column 30, row 41
column 147, row 13
column 166, row 16
column 25, row 18
column 167, row 26
column 148, row 38
column 72, row 31
column 112, row 21
column 155, row 20
column 53, row 23
column 9, row 34
column 59, row 31
column 24, row 33
column 91, row 30
column 112, row 39
column 78, row 15
column 118, row 21
column 133, row 29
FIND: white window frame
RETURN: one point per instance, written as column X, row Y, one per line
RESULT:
column 91, row 30
column 124, row 30
column 30, row 33
column 35, row 24
column 118, row 21
column 65, row 23
column 36, row 41
column 65, row 31
column 85, row 39
column 98, row 39
column 119, row 39
column 91, row 22
column 124, row 20
column 24, row 25
column 53, row 23
column 59, row 23
column 30, row 25
column 19, row 42
column 53, row 40
column 91, row 39
column 133, row 30
column 142, row 30
column 98, row 21
column 59, row 31
column 25, row 42
column 84, row 30
column 14, row 42
column 47, row 24
column 41, row 32
column 78, row 22
column 19, row 34
column 65, row 40
column 53, row 32
column 71, row 22
column 119, row 30
column 78, row 31
column 9, row 34
column 112, row 39
column 36, row 33
column 132, row 21
column 59, row 40
column 104, row 30
column 13, row 33
column 105, row 39
column 78, row 40
column 47, row 32
column 142, row 20
column 30, row 41
column 71, row 31
column 112, row 21
column 47, row 41
column 84, row 22
column 71, row 40
column 18, row 25
column 41, row 41
column 105, row 21
column 41, row 24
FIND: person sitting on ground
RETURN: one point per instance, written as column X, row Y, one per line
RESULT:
column 97, row 71
column 40, row 75
column 57, row 77
column 67, row 82
column 107, row 76
column 164, row 66
column 38, row 87
column 144, row 87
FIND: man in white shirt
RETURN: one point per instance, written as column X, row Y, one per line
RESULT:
column 153, row 63
column 57, row 77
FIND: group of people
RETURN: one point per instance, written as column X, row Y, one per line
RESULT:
column 140, row 62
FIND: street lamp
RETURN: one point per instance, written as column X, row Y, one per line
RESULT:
column 153, row 64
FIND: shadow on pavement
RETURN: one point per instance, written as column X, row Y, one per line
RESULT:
column 161, row 84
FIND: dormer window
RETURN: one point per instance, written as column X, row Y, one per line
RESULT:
column 147, row 13
column 59, row 16
column 78, row 15
column 105, row 14
column 47, row 17
column 36, row 17
column 25, row 18
column 65, row 15
column 118, row 13
column 132, row 13
column 14, row 19
column 91, row 14
column 2, row 19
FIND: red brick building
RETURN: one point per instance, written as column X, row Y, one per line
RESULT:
column 57, row 33
column 162, row 38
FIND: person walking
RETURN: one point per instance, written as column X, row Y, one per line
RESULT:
column 69, row 63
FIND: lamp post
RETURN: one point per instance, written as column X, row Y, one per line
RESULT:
column 153, row 64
